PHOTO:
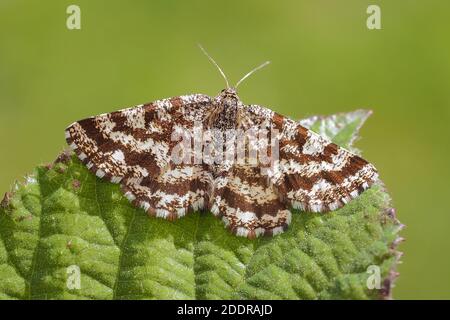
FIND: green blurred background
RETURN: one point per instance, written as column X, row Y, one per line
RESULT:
column 324, row 60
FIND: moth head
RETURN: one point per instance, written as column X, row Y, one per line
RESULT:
column 228, row 98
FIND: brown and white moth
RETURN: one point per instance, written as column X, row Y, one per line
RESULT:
column 134, row 147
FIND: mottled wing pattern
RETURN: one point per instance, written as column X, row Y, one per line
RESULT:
column 133, row 147
column 248, row 204
column 244, row 198
column 312, row 173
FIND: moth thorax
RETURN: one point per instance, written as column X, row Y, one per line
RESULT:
column 227, row 107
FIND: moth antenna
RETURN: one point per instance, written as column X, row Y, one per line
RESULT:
column 251, row 72
column 215, row 63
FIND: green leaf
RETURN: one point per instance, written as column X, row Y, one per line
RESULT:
column 64, row 216
column 341, row 128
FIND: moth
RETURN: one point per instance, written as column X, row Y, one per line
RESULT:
column 134, row 147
